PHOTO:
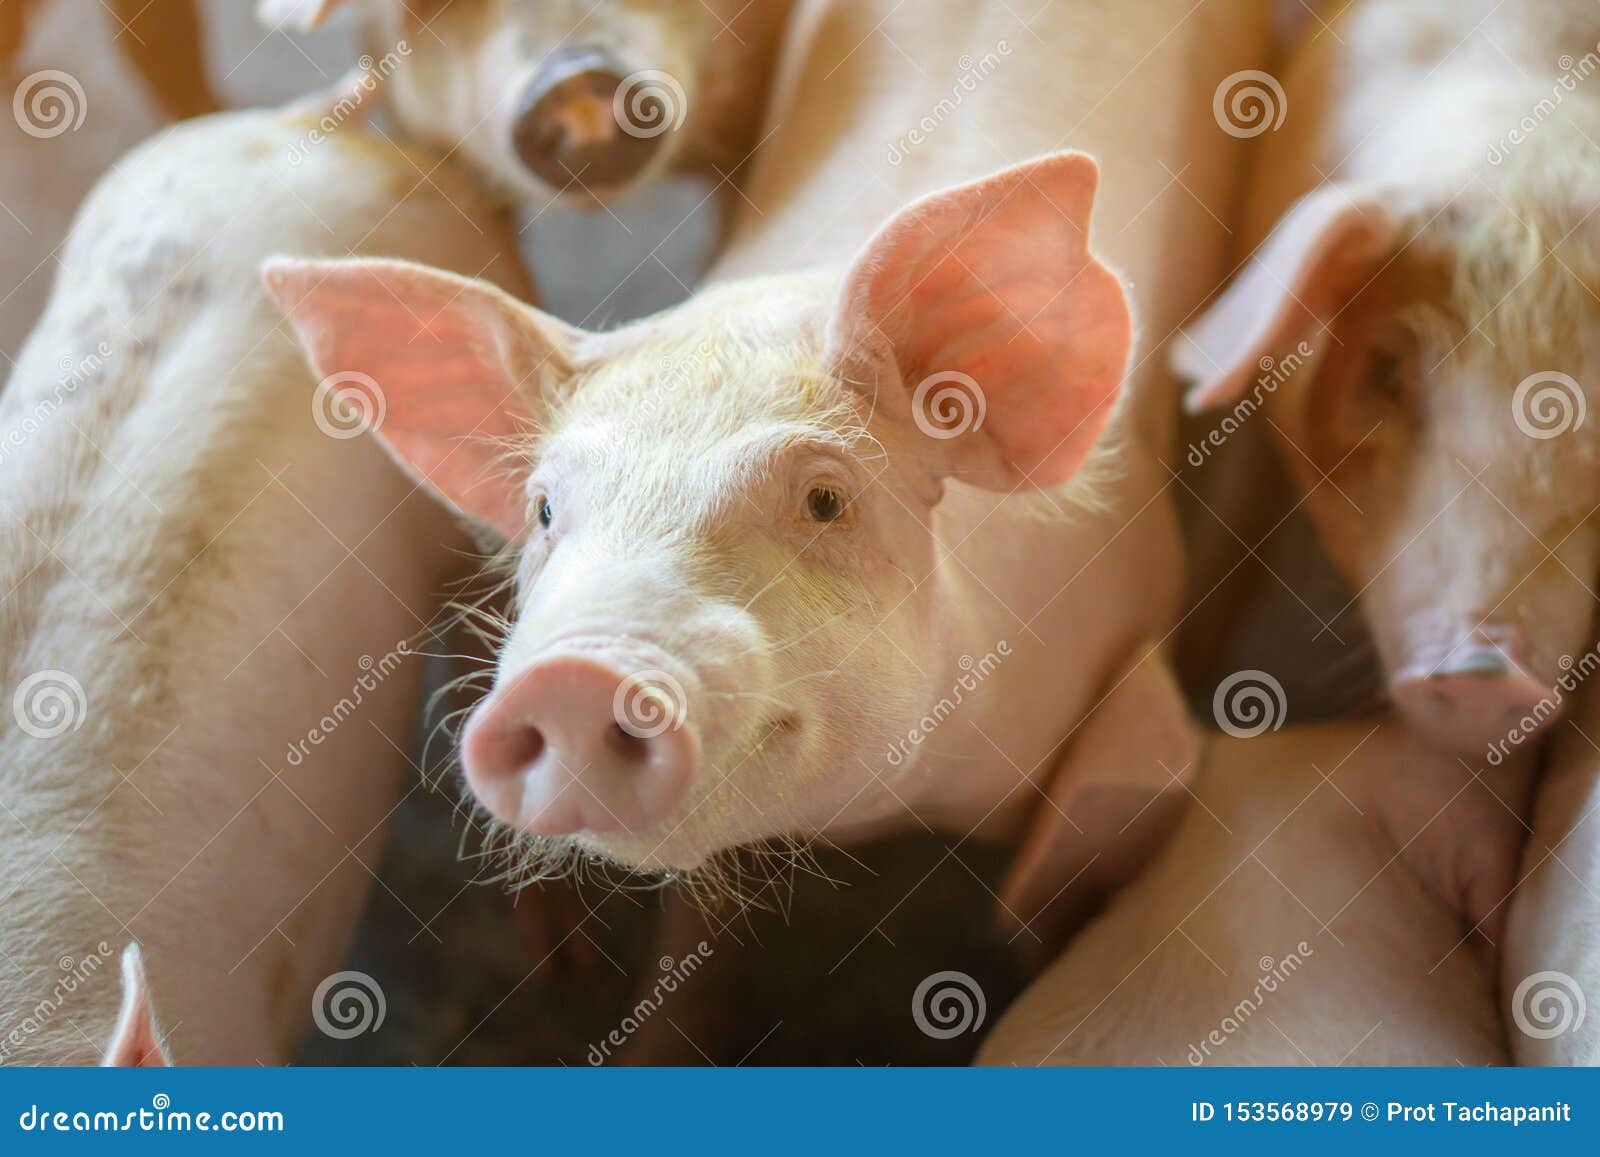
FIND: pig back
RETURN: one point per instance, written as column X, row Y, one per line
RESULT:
column 218, row 589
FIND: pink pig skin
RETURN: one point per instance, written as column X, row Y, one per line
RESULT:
column 1072, row 736
column 1314, row 907
column 1437, row 260
column 216, row 574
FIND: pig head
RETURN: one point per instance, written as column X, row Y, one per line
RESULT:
column 727, row 580
column 565, row 96
column 1427, row 366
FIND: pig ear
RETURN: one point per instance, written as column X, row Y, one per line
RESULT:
column 453, row 370
column 135, row 1042
column 1010, row 338
column 300, row 15
column 1317, row 258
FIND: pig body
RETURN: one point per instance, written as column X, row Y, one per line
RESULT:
column 1316, row 906
column 1550, row 981
column 216, row 599
column 1417, row 329
column 756, row 529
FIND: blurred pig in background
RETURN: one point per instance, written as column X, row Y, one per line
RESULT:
column 1418, row 331
column 596, row 105
column 218, row 598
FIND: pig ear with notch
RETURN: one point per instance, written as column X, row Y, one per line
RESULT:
column 1011, row 339
column 454, row 370
column 1316, row 259
column 136, row 1041
column 299, row 15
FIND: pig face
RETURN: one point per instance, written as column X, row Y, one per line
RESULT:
column 722, row 516
column 544, row 96
column 1436, row 435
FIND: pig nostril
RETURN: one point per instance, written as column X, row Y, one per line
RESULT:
column 523, row 748
column 631, row 748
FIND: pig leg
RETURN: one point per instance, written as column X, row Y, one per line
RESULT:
column 164, row 41
column 1121, row 771
column 1551, row 973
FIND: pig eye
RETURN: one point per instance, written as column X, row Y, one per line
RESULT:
column 544, row 513
column 824, row 504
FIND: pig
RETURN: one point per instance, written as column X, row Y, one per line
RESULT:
column 162, row 39
column 1418, row 332
column 216, row 600
column 800, row 557
column 546, row 98
column 1318, row 905
column 1550, row 982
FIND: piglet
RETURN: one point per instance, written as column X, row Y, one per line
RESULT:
column 1318, row 905
column 566, row 97
column 802, row 557
column 1418, row 333
column 218, row 597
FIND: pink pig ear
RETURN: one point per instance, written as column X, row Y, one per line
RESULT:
column 1011, row 339
column 1316, row 259
column 299, row 15
column 453, row 370
column 135, row 1042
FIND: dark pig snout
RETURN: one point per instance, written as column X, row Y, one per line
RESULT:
column 578, row 122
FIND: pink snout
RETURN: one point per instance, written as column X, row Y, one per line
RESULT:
column 571, row 744
column 1471, row 702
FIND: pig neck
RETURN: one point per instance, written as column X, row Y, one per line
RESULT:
column 832, row 170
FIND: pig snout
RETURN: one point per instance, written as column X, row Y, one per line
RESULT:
column 1472, row 699
column 580, row 121
column 572, row 744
